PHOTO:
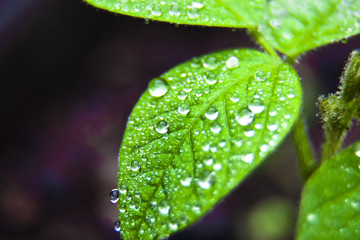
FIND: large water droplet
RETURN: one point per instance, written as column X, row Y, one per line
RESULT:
column 186, row 180
column 232, row 62
column 135, row 166
column 260, row 75
column 114, row 195
column 117, row 226
column 249, row 133
column 256, row 106
column 212, row 113
column 264, row 148
column 210, row 63
column 217, row 167
column 164, row 208
column 158, row 87
column 206, row 180
column 210, row 78
column 244, row 116
column 215, row 128
column 162, row 127
column 273, row 127
column 173, row 226
column 184, row 109
column 193, row 13
column 175, row 11
column 182, row 95
column 248, row 158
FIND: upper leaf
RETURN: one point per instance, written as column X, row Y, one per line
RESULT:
column 196, row 133
column 294, row 26
column 221, row 13
column 330, row 204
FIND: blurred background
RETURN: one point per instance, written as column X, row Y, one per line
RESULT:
column 70, row 75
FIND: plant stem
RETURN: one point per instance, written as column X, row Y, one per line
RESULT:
column 304, row 149
column 264, row 43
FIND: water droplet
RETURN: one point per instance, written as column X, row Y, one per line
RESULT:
column 162, row 127
column 248, row 158
column 357, row 150
column 217, row 167
column 197, row 5
column 234, row 97
column 222, row 143
column 212, row 113
column 206, row 180
column 273, row 127
column 135, row 166
column 273, row 113
column 206, row 147
column 244, row 116
column 175, row 11
column 260, row 76
column 184, row 109
column 238, row 142
column 210, row 78
column 123, row 188
column 291, row 95
column 210, row 63
column 215, row 128
column 232, row 62
column 156, row 11
column 164, row 208
column 186, row 180
column 193, row 13
column 312, row 218
column 256, row 106
column 114, row 195
column 249, row 133
column 208, row 160
column 196, row 208
column 117, row 226
column 158, row 87
column 264, row 148
column 182, row 95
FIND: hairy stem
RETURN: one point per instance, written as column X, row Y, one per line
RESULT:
column 304, row 149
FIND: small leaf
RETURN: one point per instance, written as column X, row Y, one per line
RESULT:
column 294, row 27
column 198, row 134
column 330, row 205
column 224, row 13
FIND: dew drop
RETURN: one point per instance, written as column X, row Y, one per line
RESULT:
column 273, row 113
column 264, row 148
column 135, row 166
column 234, row 97
column 206, row 180
column 215, row 128
column 260, row 76
column 248, row 158
column 123, row 188
column 312, row 218
column 210, row 63
column 249, row 133
column 182, row 95
column 193, row 13
column 158, row 87
column 232, row 62
column 156, row 11
column 217, row 167
column 114, row 195
column 256, row 106
column 244, row 116
column 210, row 78
column 175, row 11
column 273, row 127
column 222, row 143
column 196, row 208
column 209, row 161
column 206, row 147
column 212, row 113
column 197, row 5
column 186, row 180
column 162, row 127
column 164, row 208
column 184, row 109
column 357, row 150
column 117, row 226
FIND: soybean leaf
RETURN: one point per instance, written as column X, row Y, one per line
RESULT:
column 221, row 13
column 196, row 133
column 330, row 204
column 293, row 27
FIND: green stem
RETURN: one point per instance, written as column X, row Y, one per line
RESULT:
column 264, row 43
column 304, row 149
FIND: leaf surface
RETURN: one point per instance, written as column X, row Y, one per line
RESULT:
column 330, row 205
column 294, row 26
column 221, row 13
column 196, row 133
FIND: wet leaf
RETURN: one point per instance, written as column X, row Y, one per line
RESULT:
column 224, row 13
column 196, row 133
column 294, row 27
column 330, row 205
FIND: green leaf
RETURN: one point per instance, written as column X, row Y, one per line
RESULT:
column 330, row 205
column 196, row 133
column 293, row 27
column 221, row 13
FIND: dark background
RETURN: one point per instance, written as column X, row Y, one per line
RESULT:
column 69, row 77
